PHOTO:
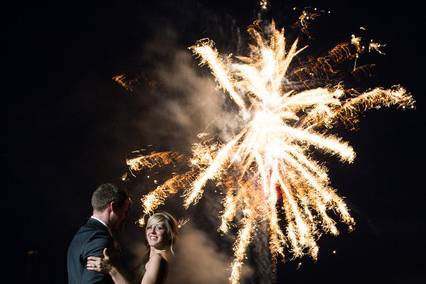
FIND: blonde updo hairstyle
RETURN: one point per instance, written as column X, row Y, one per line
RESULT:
column 170, row 224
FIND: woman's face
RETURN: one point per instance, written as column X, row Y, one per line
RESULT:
column 156, row 235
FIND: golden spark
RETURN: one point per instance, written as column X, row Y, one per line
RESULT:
column 306, row 18
column 376, row 46
column 123, row 82
column 267, row 169
column 263, row 4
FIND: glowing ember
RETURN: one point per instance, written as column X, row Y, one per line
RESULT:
column 122, row 81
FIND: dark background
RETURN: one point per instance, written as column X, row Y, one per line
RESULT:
column 70, row 128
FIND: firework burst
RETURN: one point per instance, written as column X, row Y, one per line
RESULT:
column 267, row 168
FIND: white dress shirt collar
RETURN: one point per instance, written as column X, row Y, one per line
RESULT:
column 102, row 222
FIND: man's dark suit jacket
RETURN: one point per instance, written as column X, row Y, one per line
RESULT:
column 90, row 240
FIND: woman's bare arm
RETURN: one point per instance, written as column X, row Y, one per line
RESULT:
column 117, row 276
column 156, row 270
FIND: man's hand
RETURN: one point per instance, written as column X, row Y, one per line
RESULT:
column 100, row 264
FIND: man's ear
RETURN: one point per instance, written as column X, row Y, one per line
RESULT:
column 111, row 206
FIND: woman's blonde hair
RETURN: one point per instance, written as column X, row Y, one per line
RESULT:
column 169, row 222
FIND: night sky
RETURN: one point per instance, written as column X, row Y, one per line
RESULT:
column 70, row 127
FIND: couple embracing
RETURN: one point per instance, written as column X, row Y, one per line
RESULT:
column 93, row 256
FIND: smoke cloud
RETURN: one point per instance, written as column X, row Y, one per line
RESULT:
column 187, row 100
column 198, row 260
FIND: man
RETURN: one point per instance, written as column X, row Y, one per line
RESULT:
column 110, row 208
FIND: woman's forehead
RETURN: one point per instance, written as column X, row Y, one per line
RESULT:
column 156, row 222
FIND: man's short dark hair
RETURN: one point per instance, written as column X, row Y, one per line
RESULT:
column 106, row 193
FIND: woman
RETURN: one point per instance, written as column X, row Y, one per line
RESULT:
column 160, row 233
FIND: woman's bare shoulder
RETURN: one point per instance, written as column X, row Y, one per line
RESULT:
column 156, row 270
column 157, row 260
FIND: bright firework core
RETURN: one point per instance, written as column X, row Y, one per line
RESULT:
column 269, row 158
